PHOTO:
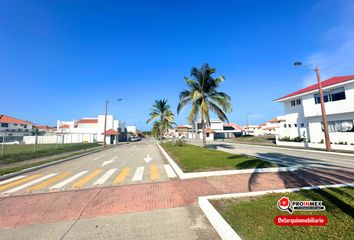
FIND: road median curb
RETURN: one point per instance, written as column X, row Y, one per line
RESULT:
column 183, row 175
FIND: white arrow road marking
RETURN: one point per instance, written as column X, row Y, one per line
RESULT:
column 30, row 183
column 69, row 180
column 108, row 162
column 148, row 158
column 11, row 179
column 169, row 171
column 138, row 175
column 105, row 176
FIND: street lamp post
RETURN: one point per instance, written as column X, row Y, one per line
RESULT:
column 105, row 125
column 323, row 109
column 105, row 122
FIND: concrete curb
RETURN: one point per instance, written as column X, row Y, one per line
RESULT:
column 225, row 231
column 296, row 149
column 183, row 175
column 26, row 170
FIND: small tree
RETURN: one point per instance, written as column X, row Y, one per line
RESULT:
column 162, row 110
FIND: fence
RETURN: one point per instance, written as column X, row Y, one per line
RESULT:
column 34, row 141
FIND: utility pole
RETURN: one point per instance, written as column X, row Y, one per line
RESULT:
column 323, row 109
column 105, row 125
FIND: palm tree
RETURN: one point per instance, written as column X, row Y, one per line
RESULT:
column 162, row 110
column 204, row 97
column 155, row 131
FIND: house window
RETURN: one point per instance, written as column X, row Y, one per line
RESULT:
column 284, row 125
column 337, row 94
column 331, row 96
column 15, row 124
column 24, row 126
column 295, row 125
column 289, row 125
column 4, row 125
column 298, row 101
column 293, row 103
column 207, row 135
column 341, row 126
column 302, row 125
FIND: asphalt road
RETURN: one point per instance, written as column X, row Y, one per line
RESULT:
column 136, row 162
column 303, row 158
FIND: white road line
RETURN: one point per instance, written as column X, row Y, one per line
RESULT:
column 99, row 157
column 11, row 179
column 30, row 183
column 108, row 162
column 105, row 176
column 138, row 175
column 169, row 171
column 69, row 180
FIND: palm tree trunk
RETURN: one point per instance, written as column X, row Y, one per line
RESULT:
column 161, row 130
column 204, row 137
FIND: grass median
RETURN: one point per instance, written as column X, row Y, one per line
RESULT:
column 252, row 218
column 22, row 152
column 192, row 158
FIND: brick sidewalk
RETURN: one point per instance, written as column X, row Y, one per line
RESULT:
column 71, row 205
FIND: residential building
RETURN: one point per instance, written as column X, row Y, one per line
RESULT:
column 45, row 130
column 218, row 130
column 92, row 129
column 132, row 130
column 15, row 127
column 303, row 116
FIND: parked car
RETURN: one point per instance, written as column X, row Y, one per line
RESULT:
column 135, row 139
column 11, row 142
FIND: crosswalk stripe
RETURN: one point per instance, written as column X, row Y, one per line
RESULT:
column 121, row 176
column 48, row 182
column 11, row 179
column 138, row 175
column 169, row 171
column 154, row 173
column 69, row 180
column 28, row 184
column 22, row 180
column 105, row 176
column 87, row 178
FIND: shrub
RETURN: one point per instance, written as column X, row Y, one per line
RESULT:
column 289, row 139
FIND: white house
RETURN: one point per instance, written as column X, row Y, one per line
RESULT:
column 132, row 129
column 92, row 129
column 303, row 113
column 218, row 130
column 15, row 128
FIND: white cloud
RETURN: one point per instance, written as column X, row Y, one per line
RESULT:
column 338, row 58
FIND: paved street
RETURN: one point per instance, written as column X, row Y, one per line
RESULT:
column 304, row 158
column 136, row 162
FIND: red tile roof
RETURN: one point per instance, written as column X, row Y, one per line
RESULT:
column 276, row 120
column 209, row 130
column 111, row 132
column 8, row 119
column 326, row 83
column 64, row 126
column 88, row 120
column 44, row 127
column 234, row 125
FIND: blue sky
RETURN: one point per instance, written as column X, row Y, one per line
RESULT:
column 63, row 59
